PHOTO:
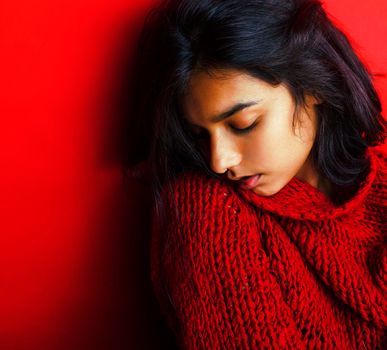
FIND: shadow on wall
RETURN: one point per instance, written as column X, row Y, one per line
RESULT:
column 128, row 143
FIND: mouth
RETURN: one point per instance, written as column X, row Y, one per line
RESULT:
column 249, row 182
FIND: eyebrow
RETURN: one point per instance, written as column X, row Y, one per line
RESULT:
column 233, row 110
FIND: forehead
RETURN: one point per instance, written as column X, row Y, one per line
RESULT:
column 210, row 94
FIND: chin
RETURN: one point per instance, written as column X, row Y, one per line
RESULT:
column 267, row 191
column 262, row 191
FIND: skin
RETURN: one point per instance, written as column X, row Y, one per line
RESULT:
column 272, row 148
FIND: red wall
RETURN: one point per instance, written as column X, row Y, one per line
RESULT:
column 365, row 23
column 73, row 258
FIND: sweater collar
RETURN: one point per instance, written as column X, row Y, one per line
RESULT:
column 300, row 200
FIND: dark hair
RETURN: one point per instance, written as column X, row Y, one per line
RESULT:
column 279, row 41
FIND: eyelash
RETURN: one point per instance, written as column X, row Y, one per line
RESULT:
column 244, row 130
column 237, row 131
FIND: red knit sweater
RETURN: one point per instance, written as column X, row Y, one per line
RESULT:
column 236, row 270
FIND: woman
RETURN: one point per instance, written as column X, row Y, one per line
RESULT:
column 270, row 185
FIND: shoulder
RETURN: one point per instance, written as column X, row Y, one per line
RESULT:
column 198, row 183
column 202, row 214
column 197, row 188
column 194, row 196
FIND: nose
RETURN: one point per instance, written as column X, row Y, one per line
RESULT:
column 224, row 154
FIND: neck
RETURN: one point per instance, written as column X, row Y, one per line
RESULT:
column 309, row 174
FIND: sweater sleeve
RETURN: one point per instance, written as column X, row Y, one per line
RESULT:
column 211, row 274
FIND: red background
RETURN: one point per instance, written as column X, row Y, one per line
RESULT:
column 73, row 263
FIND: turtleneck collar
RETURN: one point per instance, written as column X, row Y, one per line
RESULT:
column 300, row 200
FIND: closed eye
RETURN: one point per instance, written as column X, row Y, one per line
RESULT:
column 238, row 131
column 244, row 130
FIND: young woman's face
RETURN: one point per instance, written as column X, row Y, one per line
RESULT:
column 269, row 146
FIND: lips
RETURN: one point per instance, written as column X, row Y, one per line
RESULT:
column 249, row 182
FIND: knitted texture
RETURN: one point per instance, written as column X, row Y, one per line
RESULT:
column 235, row 270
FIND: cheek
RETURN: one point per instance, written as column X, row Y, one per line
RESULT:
column 260, row 151
column 268, row 143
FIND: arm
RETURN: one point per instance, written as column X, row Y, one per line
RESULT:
column 212, row 275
